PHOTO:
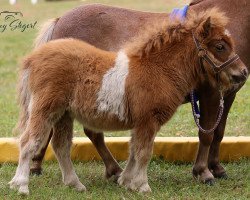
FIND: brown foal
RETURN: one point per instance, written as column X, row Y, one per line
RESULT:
column 108, row 27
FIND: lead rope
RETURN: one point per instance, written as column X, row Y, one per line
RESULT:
column 197, row 115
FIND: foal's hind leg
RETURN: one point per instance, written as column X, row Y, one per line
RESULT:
column 31, row 141
column 36, row 167
column 112, row 167
column 134, row 175
column 61, row 143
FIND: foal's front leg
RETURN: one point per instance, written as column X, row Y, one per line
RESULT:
column 134, row 175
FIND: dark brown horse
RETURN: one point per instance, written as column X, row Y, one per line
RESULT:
column 108, row 27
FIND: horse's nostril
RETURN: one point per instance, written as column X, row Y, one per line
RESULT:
column 239, row 79
column 244, row 72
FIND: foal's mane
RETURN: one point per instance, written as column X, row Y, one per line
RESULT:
column 152, row 39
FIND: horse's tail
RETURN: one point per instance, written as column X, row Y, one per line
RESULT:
column 45, row 32
column 24, row 97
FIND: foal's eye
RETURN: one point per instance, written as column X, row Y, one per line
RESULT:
column 219, row 47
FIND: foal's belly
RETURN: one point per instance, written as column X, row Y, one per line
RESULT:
column 102, row 123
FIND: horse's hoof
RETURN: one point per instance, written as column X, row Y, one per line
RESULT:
column 221, row 176
column 195, row 174
column 36, row 171
column 210, row 182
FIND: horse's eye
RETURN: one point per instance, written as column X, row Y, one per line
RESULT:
column 219, row 47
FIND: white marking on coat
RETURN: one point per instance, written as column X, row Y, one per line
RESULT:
column 111, row 95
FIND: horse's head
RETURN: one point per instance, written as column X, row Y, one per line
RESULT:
column 216, row 51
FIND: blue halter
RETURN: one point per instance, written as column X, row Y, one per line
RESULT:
column 181, row 13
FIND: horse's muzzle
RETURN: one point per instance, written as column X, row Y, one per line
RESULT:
column 242, row 77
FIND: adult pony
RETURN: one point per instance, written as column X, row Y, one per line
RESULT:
column 138, row 88
column 108, row 27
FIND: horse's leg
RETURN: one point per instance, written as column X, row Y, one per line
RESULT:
column 112, row 167
column 36, row 167
column 213, row 160
column 209, row 101
column 134, row 175
column 61, row 143
column 31, row 141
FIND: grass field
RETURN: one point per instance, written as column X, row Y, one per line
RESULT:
column 168, row 180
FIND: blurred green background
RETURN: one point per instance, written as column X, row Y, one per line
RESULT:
column 15, row 44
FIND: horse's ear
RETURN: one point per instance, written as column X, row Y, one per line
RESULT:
column 205, row 28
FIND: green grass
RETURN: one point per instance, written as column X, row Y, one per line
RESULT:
column 167, row 181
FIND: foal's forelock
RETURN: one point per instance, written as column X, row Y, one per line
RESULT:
column 153, row 39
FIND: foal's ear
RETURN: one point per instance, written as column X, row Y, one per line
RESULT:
column 205, row 28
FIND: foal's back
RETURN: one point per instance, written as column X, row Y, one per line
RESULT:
column 65, row 62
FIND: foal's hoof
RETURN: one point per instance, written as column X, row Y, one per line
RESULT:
column 80, row 187
column 76, row 184
column 113, row 173
column 36, row 171
column 135, row 185
column 145, row 188
column 22, row 189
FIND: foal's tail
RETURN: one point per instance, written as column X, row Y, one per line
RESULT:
column 45, row 32
column 24, row 95
column 24, row 98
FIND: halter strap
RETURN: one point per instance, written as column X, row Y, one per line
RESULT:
column 217, row 69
